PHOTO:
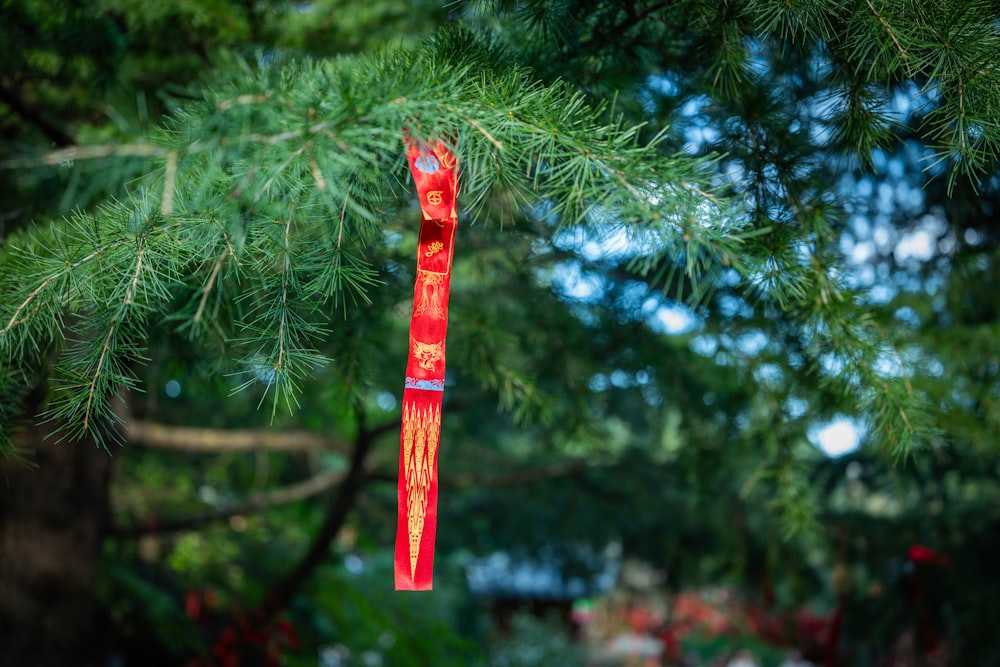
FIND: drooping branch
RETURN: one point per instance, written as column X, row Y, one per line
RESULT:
column 307, row 488
column 69, row 154
column 214, row 440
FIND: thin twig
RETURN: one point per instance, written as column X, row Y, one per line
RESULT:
column 115, row 323
column 621, row 179
column 209, row 284
column 97, row 253
column 169, row 185
column 317, row 174
column 482, row 130
column 94, row 152
column 224, row 105
column 280, row 168
column 130, row 292
column 340, row 227
column 38, row 290
column 888, row 29
column 285, row 136
column 283, row 320
column 699, row 191
column 92, row 390
column 99, row 151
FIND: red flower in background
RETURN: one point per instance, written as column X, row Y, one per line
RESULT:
column 918, row 553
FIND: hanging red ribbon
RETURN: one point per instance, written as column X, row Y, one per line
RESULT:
column 435, row 172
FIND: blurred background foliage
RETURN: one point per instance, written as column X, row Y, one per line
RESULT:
column 592, row 418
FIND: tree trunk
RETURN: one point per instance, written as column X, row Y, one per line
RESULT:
column 53, row 516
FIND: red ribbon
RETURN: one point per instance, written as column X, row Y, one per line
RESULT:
column 435, row 172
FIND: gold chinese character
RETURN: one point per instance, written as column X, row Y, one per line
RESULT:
column 434, row 197
column 433, row 248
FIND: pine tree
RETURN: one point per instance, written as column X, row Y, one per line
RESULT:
column 279, row 180
column 272, row 133
column 258, row 234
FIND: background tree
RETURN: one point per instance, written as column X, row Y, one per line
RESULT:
column 263, row 228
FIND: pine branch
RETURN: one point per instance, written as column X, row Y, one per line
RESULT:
column 251, row 175
column 15, row 318
column 343, row 152
column 228, row 252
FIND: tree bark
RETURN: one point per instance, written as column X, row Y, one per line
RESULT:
column 53, row 516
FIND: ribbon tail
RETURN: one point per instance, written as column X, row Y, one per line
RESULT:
column 417, row 500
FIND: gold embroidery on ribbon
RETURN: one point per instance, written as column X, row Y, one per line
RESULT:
column 421, row 430
column 445, row 157
column 435, row 197
column 434, row 248
column 430, row 293
column 427, row 354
